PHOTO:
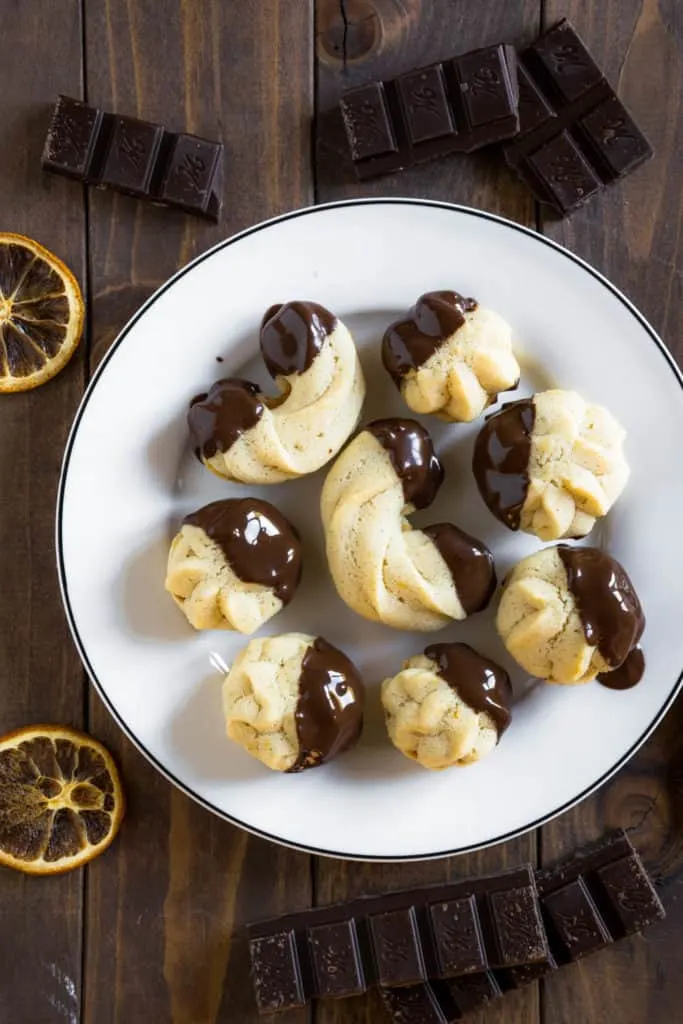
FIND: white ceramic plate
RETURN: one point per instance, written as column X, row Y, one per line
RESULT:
column 129, row 477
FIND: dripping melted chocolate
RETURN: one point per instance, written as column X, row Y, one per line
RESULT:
column 628, row 674
column 218, row 418
column 258, row 542
column 501, row 460
column 480, row 683
column 292, row 336
column 412, row 455
column 470, row 563
column 611, row 614
column 329, row 712
column 410, row 341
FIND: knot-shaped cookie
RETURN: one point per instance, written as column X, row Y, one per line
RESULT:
column 293, row 701
column 244, row 435
column 551, row 464
column 450, row 357
column 382, row 567
column 234, row 564
column 568, row 614
column 448, row 706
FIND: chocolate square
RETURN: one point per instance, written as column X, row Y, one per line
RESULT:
column 613, row 139
column 534, row 109
column 425, row 104
column 560, row 168
column 485, row 86
column 71, row 137
column 569, row 66
column 457, row 938
column 275, row 972
column 396, row 947
column 519, row 929
column 336, row 959
column 191, row 170
column 417, row 1005
column 131, row 156
column 575, row 921
column 367, row 121
column 631, row 894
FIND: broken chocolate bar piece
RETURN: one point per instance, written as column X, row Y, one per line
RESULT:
column 136, row 157
column 400, row 940
column 575, row 135
column 455, row 106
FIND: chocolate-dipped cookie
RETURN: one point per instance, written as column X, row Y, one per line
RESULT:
column 293, row 701
column 234, row 564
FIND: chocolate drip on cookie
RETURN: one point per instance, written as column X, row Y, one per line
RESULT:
column 470, row 564
column 480, row 683
column 412, row 455
column 217, row 419
column 293, row 334
column 501, row 460
column 329, row 711
column 609, row 608
column 412, row 340
column 259, row 543
column 629, row 673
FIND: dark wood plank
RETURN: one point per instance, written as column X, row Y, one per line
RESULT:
column 384, row 38
column 40, row 676
column 633, row 234
column 162, row 913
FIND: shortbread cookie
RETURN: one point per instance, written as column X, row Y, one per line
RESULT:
column 293, row 701
column 242, row 434
column 382, row 567
column 450, row 357
column 234, row 564
column 448, row 706
column 551, row 464
column 568, row 614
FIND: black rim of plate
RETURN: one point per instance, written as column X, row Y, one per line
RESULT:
column 304, row 212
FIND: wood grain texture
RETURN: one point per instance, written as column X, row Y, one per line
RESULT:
column 40, row 675
column 163, row 913
column 382, row 38
column 633, row 234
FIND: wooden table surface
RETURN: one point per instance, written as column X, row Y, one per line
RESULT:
column 146, row 933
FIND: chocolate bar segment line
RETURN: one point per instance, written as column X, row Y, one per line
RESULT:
column 455, row 106
column 575, row 136
column 138, row 158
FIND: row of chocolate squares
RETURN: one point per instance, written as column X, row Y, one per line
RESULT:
column 293, row 701
column 550, row 465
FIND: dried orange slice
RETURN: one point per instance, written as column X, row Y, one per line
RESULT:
column 61, row 801
column 41, row 313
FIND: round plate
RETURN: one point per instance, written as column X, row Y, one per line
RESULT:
column 129, row 477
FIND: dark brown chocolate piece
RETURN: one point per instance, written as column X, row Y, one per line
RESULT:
column 416, row 1005
column 470, row 563
column 481, row 684
column 398, row 939
column 501, row 460
column 259, row 543
column 413, row 457
column 219, row 417
column 413, row 339
column 292, row 336
column 455, row 106
column 329, row 712
column 611, row 614
column 575, row 136
column 136, row 157
column 629, row 673
column 275, row 972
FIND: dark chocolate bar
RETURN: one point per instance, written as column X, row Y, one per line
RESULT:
column 398, row 939
column 136, row 157
column 440, row 1002
column 575, row 135
column 454, row 106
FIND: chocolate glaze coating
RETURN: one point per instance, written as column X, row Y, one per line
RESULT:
column 470, row 562
column 259, row 543
column 329, row 711
column 610, row 611
column 219, row 417
column 412, row 455
column 410, row 341
column 501, row 460
column 292, row 336
column 628, row 674
column 479, row 682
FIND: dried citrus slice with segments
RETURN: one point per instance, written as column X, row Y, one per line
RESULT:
column 61, row 801
column 41, row 313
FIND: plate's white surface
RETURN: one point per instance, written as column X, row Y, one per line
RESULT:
column 129, row 477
